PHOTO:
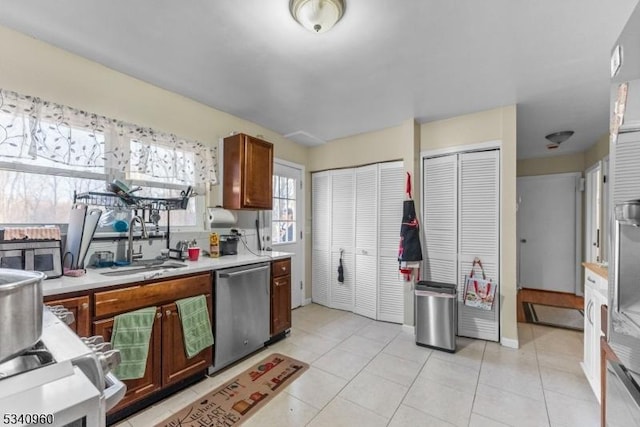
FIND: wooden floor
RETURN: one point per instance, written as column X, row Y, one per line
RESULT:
column 556, row 299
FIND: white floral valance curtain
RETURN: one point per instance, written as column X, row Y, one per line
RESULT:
column 42, row 133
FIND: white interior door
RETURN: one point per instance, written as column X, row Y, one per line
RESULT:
column 439, row 220
column 321, row 237
column 342, row 238
column 366, row 253
column 479, row 236
column 391, row 195
column 547, row 221
column 287, row 220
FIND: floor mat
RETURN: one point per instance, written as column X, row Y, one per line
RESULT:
column 235, row 401
column 561, row 317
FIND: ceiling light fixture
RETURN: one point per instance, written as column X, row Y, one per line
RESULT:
column 558, row 138
column 317, row 16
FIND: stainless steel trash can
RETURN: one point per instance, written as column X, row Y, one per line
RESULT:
column 436, row 315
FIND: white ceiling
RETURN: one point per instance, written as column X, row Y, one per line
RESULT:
column 385, row 62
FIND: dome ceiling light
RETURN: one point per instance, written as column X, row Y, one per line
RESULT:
column 317, row 16
column 558, row 138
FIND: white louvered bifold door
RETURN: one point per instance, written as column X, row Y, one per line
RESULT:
column 626, row 165
column 478, row 236
column 391, row 195
column 439, row 219
column 321, row 236
column 366, row 235
column 342, row 237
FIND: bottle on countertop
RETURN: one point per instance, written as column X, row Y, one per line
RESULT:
column 214, row 245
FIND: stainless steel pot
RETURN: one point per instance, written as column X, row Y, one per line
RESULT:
column 20, row 311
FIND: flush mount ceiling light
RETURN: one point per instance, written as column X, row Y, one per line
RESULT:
column 558, row 138
column 317, row 16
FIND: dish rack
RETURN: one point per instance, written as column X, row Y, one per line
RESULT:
column 123, row 200
column 150, row 206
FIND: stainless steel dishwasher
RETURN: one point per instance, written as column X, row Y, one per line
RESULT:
column 242, row 312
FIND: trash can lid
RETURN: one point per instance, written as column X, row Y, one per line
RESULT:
column 429, row 286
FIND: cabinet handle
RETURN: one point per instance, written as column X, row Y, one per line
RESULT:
column 589, row 307
column 168, row 313
column 158, row 315
column 84, row 306
column 283, row 268
column 591, row 280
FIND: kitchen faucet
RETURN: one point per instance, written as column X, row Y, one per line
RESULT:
column 131, row 255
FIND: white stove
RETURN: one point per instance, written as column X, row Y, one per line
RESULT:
column 63, row 380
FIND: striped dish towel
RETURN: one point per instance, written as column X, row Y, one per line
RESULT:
column 131, row 335
column 196, row 326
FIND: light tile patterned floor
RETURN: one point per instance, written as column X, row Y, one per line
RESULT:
column 368, row 373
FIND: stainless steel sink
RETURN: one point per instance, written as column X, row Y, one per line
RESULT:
column 124, row 271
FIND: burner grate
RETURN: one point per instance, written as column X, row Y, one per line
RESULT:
column 36, row 357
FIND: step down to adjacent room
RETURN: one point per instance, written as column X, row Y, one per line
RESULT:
column 560, row 317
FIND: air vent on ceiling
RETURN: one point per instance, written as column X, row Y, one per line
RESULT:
column 304, row 138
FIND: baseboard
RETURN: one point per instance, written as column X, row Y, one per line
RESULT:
column 307, row 301
column 409, row 328
column 508, row 342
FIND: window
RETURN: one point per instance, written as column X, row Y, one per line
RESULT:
column 49, row 151
column 40, row 198
column 284, row 210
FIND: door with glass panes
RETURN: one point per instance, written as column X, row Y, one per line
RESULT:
column 287, row 222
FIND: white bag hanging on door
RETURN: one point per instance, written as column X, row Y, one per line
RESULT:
column 479, row 292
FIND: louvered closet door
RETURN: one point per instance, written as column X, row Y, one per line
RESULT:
column 391, row 189
column 321, row 237
column 439, row 220
column 366, row 235
column 342, row 237
column 626, row 161
column 478, row 236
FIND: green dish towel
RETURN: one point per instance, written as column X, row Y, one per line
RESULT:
column 131, row 335
column 196, row 326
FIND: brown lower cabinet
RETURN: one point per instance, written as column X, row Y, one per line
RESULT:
column 79, row 306
column 167, row 362
column 280, row 296
column 152, row 380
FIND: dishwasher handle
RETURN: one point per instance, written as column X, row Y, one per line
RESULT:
column 241, row 272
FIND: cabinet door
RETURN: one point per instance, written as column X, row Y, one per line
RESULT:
column 280, row 304
column 175, row 364
column 258, row 172
column 247, row 173
column 152, row 380
column 79, row 306
column 598, row 301
column 589, row 345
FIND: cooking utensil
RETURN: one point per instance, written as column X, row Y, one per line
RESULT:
column 20, row 311
column 74, row 235
column 90, row 226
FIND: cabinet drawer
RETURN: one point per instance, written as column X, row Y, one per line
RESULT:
column 591, row 279
column 131, row 298
column 281, row 281
column 281, row 267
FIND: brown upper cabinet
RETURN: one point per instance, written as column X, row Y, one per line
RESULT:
column 248, row 171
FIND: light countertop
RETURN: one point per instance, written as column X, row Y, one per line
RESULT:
column 93, row 279
column 598, row 269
